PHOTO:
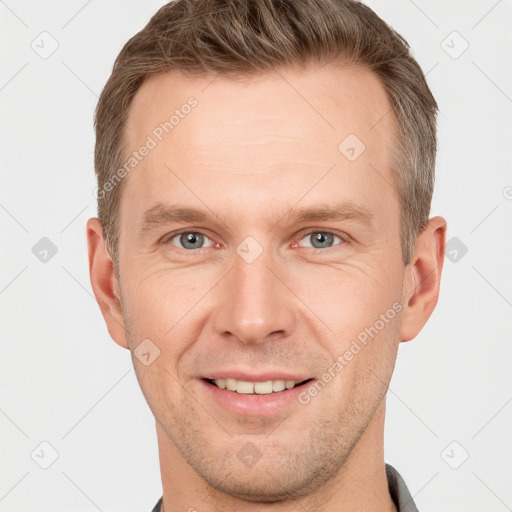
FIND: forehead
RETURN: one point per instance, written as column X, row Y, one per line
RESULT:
column 272, row 129
column 331, row 100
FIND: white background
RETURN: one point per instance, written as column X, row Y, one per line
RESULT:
column 64, row 381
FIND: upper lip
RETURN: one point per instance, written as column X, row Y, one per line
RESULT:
column 257, row 377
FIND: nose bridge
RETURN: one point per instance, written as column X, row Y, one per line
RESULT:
column 254, row 303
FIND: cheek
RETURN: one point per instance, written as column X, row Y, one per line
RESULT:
column 351, row 297
column 159, row 304
column 366, row 364
column 157, row 312
column 361, row 306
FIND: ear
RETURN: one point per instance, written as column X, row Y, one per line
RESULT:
column 104, row 283
column 423, row 278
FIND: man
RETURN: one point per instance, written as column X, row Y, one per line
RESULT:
column 265, row 171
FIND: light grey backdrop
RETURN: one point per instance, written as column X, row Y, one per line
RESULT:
column 75, row 431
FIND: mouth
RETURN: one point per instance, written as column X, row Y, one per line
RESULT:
column 267, row 387
column 272, row 393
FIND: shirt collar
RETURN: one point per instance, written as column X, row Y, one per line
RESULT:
column 399, row 491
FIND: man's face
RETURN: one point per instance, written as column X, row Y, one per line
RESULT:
column 254, row 291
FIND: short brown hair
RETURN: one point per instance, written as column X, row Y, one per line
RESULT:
column 240, row 38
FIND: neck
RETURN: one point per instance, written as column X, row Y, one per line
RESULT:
column 360, row 484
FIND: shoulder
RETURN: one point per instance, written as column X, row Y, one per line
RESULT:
column 399, row 491
column 158, row 505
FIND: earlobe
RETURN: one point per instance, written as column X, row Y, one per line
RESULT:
column 422, row 279
column 104, row 282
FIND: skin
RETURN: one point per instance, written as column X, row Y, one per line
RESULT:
column 254, row 152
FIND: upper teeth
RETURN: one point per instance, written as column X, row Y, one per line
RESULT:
column 259, row 388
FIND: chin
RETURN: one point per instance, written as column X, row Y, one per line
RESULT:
column 263, row 486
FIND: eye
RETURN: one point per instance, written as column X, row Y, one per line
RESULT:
column 190, row 240
column 320, row 239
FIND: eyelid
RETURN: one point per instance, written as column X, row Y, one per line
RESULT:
column 167, row 238
column 310, row 231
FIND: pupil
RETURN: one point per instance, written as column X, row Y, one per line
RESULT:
column 322, row 240
column 188, row 240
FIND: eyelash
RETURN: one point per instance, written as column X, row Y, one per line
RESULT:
column 166, row 240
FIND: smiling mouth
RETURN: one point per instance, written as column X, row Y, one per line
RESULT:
column 256, row 388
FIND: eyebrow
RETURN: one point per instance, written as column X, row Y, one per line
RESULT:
column 162, row 214
column 334, row 212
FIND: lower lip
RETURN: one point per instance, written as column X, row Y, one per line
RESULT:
column 255, row 405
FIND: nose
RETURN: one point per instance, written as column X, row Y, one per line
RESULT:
column 254, row 304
